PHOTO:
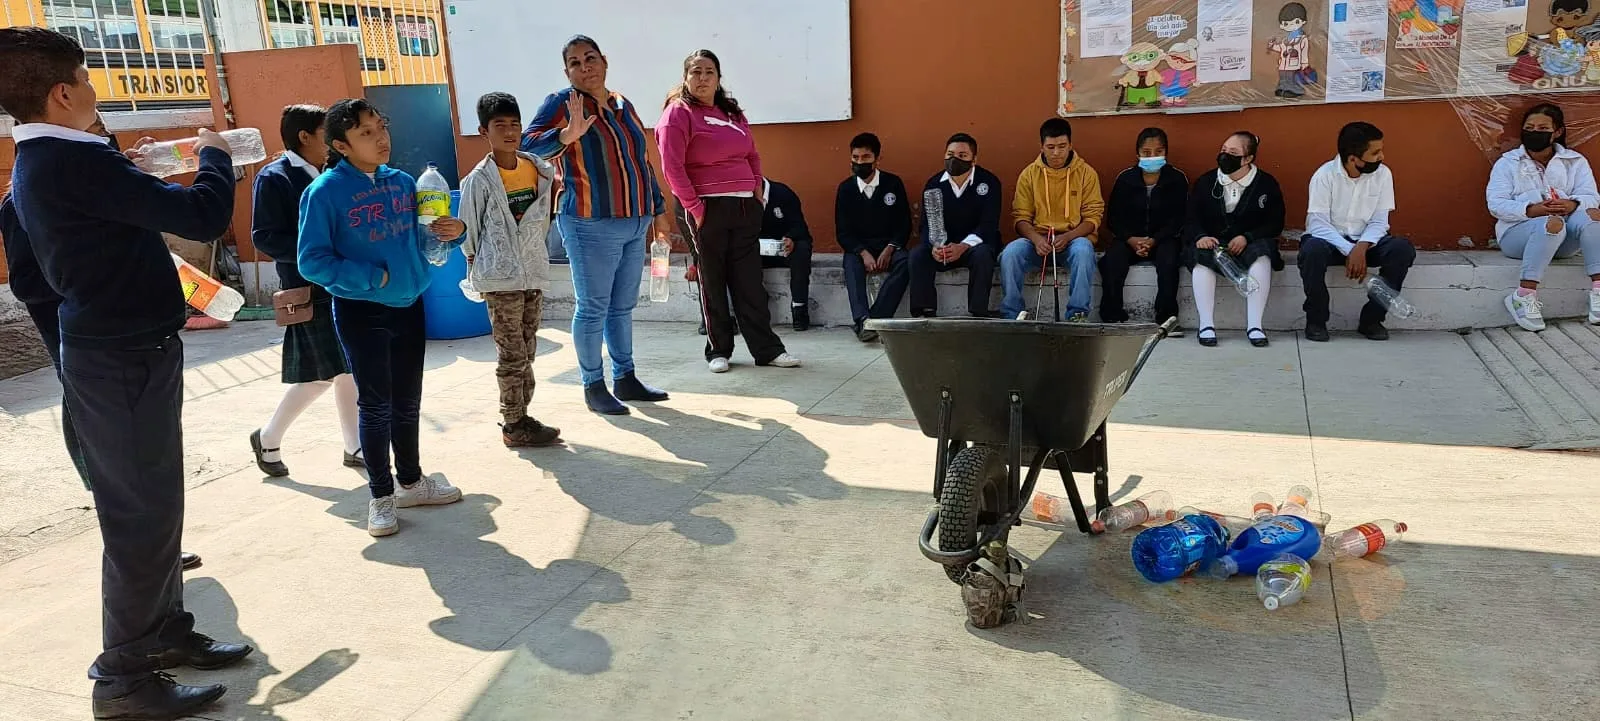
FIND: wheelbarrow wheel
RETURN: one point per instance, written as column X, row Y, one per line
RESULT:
column 974, row 488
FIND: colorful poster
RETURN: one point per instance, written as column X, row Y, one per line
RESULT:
column 1107, row 27
column 1292, row 47
column 1432, row 24
column 1358, row 41
column 1224, row 42
column 1494, row 47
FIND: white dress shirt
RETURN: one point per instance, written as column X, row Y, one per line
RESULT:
column 972, row 239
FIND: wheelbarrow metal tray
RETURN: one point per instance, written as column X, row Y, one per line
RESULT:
column 1069, row 375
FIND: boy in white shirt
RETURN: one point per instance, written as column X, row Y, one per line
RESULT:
column 1347, row 222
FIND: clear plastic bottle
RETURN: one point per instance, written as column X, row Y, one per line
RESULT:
column 1297, row 502
column 933, row 211
column 176, row 157
column 1156, row 505
column 1262, row 506
column 660, row 264
column 1235, row 524
column 435, row 250
column 1379, row 291
column 469, row 291
column 433, row 195
column 1046, row 508
column 1241, row 280
column 1282, row 581
column 1363, row 540
column 206, row 294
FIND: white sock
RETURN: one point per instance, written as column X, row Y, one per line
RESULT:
column 344, row 398
column 295, row 401
column 1256, row 304
column 1205, row 296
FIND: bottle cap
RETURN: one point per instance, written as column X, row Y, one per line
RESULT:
column 1271, row 602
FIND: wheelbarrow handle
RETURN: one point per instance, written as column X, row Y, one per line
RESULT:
column 947, row 558
column 1144, row 353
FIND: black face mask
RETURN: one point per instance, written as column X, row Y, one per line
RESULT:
column 862, row 170
column 956, row 166
column 1229, row 163
column 1369, row 168
column 1537, row 140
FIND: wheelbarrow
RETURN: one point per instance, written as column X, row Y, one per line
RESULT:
column 998, row 393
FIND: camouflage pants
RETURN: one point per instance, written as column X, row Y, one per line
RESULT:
column 514, row 316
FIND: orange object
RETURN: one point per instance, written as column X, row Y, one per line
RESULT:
column 198, row 288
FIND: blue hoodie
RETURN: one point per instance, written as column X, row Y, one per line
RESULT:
column 353, row 228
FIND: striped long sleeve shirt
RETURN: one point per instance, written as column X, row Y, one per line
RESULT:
column 607, row 173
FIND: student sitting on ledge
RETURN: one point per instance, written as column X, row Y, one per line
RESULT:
column 972, row 226
column 872, row 219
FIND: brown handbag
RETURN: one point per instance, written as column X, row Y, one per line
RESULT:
column 292, row 306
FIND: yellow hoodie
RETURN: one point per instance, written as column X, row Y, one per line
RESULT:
column 1059, row 199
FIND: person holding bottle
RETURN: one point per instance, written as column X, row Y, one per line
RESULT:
column 1236, row 212
column 972, row 226
column 714, row 171
column 313, row 360
column 361, row 240
column 608, row 198
column 1145, row 219
column 1543, row 197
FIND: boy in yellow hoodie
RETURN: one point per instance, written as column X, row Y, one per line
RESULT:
column 1057, row 207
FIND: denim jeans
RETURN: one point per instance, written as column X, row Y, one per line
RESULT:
column 384, row 348
column 1077, row 261
column 1529, row 242
column 607, row 256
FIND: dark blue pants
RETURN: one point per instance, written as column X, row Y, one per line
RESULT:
column 384, row 348
column 980, row 260
column 889, row 294
column 45, row 318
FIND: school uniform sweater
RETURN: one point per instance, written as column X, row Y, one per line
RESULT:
column 872, row 223
column 1139, row 211
column 783, row 217
column 1258, row 216
column 275, row 220
column 95, row 222
column 26, row 277
column 975, row 213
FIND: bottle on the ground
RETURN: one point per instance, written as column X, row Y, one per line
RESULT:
column 1262, row 506
column 1282, row 581
column 1167, row 552
column 1153, row 506
column 1363, row 540
column 470, row 291
column 660, row 264
column 176, row 157
column 1241, row 280
column 206, row 294
column 1297, row 502
column 1260, row 542
column 1383, row 294
column 1235, row 524
column 1046, row 508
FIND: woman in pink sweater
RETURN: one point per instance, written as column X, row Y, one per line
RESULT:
column 711, row 164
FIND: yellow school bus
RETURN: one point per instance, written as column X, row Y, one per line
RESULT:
column 149, row 54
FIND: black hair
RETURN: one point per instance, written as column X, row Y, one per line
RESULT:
column 498, row 105
column 35, row 61
column 867, row 141
column 575, row 41
column 1055, row 128
column 1295, row 11
column 1569, row 6
column 964, row 138
column 1355, row 137
column 1150, row 134
column 1553, row 112
column 343, row 117
column 297, row 118
column 1251, row 142
column 723, row 100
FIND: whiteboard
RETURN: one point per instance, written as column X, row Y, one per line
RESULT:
column 787, row 61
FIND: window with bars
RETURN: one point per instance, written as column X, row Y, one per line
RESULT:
column 97, row 24
column 340, row 24
column 176, row 24
column 417, row 35
column 289, row 24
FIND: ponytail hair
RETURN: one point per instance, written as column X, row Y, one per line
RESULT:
column 724, row 100
column 343, row 117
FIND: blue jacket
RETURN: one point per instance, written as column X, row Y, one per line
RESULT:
column 353, row 228
column 275, row 221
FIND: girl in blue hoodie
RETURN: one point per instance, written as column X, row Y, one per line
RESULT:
column 360, row 239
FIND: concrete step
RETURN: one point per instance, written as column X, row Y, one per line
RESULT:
column 1554, row 376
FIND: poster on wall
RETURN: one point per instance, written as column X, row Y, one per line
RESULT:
column 1107, row 27
column 1224, row 41
column 1358, row 40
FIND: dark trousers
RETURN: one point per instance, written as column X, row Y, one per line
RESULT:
column 384, row 348
column 46, row 319
column 1114, row 265
column 798, row 261
column 980, row 260
column 727, row 249
column 127, row 406
column 889, row 294
column 1392, row 256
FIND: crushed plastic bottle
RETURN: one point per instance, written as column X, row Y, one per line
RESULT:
column 1282, row 581
column 1260, row 542
column 206, row 294
column 1167, row 552
column 1156, row 505
column 1363, row 540
column 1241, row 280
column 1046, row 508
column 176, row 157
column 469, row 291
column 1380, row 292
column 433, row 195
column 1235, row 524
column 660, row 262
column 933, row 212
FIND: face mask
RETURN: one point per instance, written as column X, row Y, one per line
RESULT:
column 1537, row 140
column 1229, row 163
column 861, row 170
column 1151, row 165
column 956, row 166
column 1369, row 168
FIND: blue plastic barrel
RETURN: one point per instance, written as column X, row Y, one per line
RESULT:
column 449, row 315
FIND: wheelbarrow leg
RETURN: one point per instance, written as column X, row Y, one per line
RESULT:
column 1064, row 467
column 1014, row 450
column 1102, row 473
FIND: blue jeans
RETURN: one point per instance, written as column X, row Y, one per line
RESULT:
column 893, row 288
column 1529, row 242
column 385, row 348
column 607, row 256
column 1019, row 257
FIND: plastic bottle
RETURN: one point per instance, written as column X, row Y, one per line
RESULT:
column 1297, row 502
column 1167, row 552
column 1262, row 506
column 1241, row 280
column 933, row 211
column 469, row 291
column 1282, row 581
column 1235, row 524
column 1046, row 508
column 207, row 294
column 1386, row 296
column 1363, row 540
column 660, row 261
column 176, row 157
column 1260, row 542
column 433, row 195
column 1156, row 505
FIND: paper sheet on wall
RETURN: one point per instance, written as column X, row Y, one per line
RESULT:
column 1225, row 37
column 1358, row 40
column 1107, row 28
column 1486, row 25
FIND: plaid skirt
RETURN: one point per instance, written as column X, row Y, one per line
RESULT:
column 311, row 350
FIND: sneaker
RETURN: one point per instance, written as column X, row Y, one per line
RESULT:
column 864, row 335
column 1373, row 331
column 381, row 519
column 1594, row 306
column 430, row 491
column 1078, row 317
column 1317, row 332
column 784, row 360
column 529, row 433
column 1527, row 311
column 802, row 317
column 718, row 365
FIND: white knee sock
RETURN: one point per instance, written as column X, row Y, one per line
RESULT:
column 1256, row 304
column 295, row 401
column 344, row 398
column 1205, row 295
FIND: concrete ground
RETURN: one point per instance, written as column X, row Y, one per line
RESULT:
column 746, row 550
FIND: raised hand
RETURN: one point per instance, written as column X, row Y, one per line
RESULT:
column 578, row 121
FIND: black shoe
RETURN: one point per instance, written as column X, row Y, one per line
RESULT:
column 1257, row 342
column 1209, row 342
column 188, row 561
column 202, row 652
column 630, row 388
column 1317, row 332
column 601, row 401
column 354, row 460
column 802, row 317
column 1373, row 331
column 159, row 698
column 864, row 335
column 276, row 469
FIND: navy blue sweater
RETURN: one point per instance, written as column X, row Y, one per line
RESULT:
column 95, row 224
column 26, row 278
column 275, row 217
column 870, row 224
column 976, row 212
column 783, row 217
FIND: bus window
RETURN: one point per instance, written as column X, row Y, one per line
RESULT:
column 417, row 35
column 97, row 24
column 289, row 25
column 340, row 24
column 176, row 24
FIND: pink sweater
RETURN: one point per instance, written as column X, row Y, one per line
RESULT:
column 703, row 152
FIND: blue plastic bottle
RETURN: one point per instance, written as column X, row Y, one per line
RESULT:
column 1167, row 552
column 1263, row 541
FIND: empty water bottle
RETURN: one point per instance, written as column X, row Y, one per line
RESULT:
column 1282, row 581
column 660, row 260
column 176, row 157
column 435, row 250
column 1156, row 505
column 933, row 212
column 874, row 284
column 469, row 291
column 1297, row 502
column 1262, row 506
column 1241, row 280
column 1046, row 508
column 1363, row 540
column 1167, row 552
column 206, row 294
column 1383, row 294
column 1235, row 524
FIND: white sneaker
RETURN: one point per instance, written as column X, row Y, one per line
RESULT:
column 430, row 491
column 719, row 365
column 1594, row 306
column 381, row 519
column 1527, row 311
column 784, row 361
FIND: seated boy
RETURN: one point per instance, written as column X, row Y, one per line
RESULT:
column 784, row 220
column 1057, row 206
column 1347, row 223
column 872, row 219
column 972, row 228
